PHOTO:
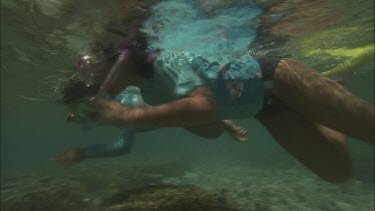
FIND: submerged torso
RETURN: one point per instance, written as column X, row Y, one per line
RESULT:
column 237, row 86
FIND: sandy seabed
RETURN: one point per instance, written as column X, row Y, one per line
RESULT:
column 175, row 185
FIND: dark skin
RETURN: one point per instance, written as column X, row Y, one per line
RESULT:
column 209, row 131
column 318, row 119
column 295, row 84
column 311, row 128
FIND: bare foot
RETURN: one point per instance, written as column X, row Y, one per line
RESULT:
column 237, row 132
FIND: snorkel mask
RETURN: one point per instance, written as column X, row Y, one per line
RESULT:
column 91, row 69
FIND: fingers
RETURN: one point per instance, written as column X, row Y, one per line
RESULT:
column 242, row 139
column 240, row 133
column 237, row 132
column 242, row 136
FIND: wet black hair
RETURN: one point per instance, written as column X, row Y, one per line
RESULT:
column 116, row 37
column 75, row 90
column 110, row 44
column 136, row 42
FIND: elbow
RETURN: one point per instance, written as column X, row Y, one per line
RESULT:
column 207, row 105
column 206, row 108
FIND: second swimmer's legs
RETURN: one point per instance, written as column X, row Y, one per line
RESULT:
column 322, row 150
column 322, row 100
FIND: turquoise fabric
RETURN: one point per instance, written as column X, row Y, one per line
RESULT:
column 183, row 25
column 174, row 77
column 205, row 49
column 237, row 86
column 215, row 44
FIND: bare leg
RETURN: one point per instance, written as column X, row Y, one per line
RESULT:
column 321, row 149
column 322, row 100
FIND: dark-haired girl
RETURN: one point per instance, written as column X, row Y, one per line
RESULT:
column 306, row 113
column 75, row 90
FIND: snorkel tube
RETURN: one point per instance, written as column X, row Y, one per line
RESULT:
column 107, row 86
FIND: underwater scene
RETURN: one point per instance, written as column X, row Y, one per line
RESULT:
column 53, row 159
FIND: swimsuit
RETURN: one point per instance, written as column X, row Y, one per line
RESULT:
column 236, row 86
column 198, row 50
column 213, row 51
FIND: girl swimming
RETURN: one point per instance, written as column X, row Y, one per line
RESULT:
column 76, row 91
column 307, row 113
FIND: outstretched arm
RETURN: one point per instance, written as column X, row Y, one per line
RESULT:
column 120, row 146
column 197, row 108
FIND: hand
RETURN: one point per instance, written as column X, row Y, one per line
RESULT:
column 69, row 157
column 237, row 132
column 111, row 112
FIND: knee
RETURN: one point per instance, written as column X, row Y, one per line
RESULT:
column 339, row 173
column 338, row 166
column 339, row 177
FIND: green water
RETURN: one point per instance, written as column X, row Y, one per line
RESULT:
column 37, row 45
